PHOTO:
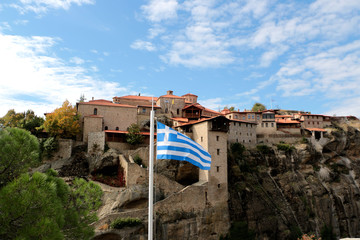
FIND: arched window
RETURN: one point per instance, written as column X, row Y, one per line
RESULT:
column 106, row 127
column 117, row 128
column 95, row 111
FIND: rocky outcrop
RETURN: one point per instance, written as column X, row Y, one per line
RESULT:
column 283, row 194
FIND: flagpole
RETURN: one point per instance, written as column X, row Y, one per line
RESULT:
column 151, row 173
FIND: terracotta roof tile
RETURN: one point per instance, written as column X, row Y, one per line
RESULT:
column 316, row 129
column 102, row 102
column 135, row 97
column 189, row 94
column 279, row 120
column 171, row 96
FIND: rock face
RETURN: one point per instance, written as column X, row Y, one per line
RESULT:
column 283, row 194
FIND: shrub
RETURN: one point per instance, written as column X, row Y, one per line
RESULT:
column 285, row 147
column 120, row 223
column 263, row 148
column 138, row 160
column 48, row 146
column 304, row 140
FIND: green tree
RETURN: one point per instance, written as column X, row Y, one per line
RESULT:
column 134, row 137
column 63, row 122
column 26, row 120
column 19, row 150
column 43, row 206
column 258, row 107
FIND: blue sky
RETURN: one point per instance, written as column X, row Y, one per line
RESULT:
column 302, row 55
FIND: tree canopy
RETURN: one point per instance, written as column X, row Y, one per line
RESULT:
column 19, row 150
column 26, row 120
column 258, row 107
column 63, row 122
column 134, row 137
column 43, row 206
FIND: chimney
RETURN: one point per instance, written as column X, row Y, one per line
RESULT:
column 169, row 92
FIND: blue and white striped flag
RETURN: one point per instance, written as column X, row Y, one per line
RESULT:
column 174, row 145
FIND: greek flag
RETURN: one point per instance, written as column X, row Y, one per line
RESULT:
column 174, row 145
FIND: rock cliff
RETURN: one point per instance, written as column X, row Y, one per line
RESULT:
column 280, row 193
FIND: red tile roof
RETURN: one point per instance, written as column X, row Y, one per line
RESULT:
column 200, row 120
column 135, row 97
column 171, row 96
column 316, row 129
column 212, row 111
column 194, row 105
column 279, row 120
column 307, row 114
column 180, row 119
column 189, row 94
column 102, row 102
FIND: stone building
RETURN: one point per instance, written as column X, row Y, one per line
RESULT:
column 211, row 133
column 100, row 115
column 171, row 105
column 242, row 132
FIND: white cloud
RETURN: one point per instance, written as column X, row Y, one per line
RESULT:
column 43, row 6
column 4, row 26
column 33, row 77
column 143, row 45
column 333, row 74
column 158, row 10
column 212, row 103
column 77, row 60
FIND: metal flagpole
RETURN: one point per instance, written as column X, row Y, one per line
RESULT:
column 151, row 173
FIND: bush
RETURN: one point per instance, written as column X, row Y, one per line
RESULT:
column 263, row 148
column 304, row 140
column 48, row 146
column 138, row 160
column 120, row 223
column 327, row 233
column 285, row 147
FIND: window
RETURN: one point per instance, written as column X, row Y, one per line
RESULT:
column 257, row 117
column 217, row 138
column 248, row 116
column 237, row 140
column 217, row 168
column 177, row 111
column 272, row 124
column 144, row 110
column 266, row 124
column 219, row 185
column 230, row 117
column 252, row 116
column 243, row 117
column 218, row 151
column 201, row 139
column 262, row 124
column 166, row 110
column 106, row 128
column 117, row 128
column 95, row 111
column 236, row 117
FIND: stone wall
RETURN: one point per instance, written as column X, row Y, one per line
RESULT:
column 244, row 133
column 96, row 142
column 92, row 124
column 114, row 116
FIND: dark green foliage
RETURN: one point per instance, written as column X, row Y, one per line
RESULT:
column 285, row 147
column 237, row 150
column 295, row 233
column 120, row 223
column 258, row 107
column 106, row 147
column 239, row 230
column 48, row 146
column 19, row 150
column 327, row 233
column 304, row 140
column 138, row 160
column 43, row 206
column 263, row 148
column 134, row 137
column 26, row 120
